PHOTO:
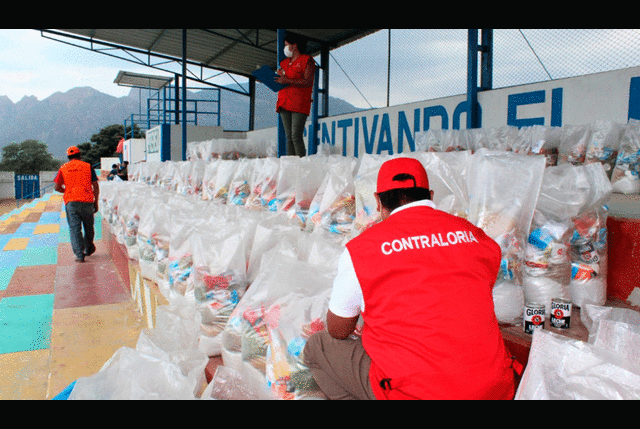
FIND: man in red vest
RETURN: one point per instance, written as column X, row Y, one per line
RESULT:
column 422, row 282
column 79, row 183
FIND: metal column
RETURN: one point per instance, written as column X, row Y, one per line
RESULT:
column 472, row 80
column 282, row 139
column 184, row 95
column 486, row 48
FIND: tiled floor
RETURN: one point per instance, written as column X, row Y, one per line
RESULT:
column 59, row 320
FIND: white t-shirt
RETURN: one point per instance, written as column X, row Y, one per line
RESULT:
column 346, row 296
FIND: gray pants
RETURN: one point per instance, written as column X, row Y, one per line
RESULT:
column 293, row 124
column 80, row 215
column 339, row 367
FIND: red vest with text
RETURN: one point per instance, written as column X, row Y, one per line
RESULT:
column 76, row 176
column 429, row 321
column 292, row 98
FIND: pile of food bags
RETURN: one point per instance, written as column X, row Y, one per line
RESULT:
column 253, row 254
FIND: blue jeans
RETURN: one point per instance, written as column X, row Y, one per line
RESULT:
column 80, row 215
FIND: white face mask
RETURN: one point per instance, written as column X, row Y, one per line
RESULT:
column 287, row 51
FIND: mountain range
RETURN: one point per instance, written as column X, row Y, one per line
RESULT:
column 71, row 118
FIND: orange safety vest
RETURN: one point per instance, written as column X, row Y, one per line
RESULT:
column 293, row 98
column 76, row 177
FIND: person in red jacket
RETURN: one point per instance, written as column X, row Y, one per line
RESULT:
column 79, row 183
column 297, row 72
column 421, row 280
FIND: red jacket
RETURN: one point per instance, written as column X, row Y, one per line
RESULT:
column 292, row 98
column 429, row 321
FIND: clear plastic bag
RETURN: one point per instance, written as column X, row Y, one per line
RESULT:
column 285, row 196
column 240, row 184
column 224, row 175
column 505, row 213
column 589, row 258
column 333, row 207
column 265, row 186
column 209, row 180
column 266, row 333
column 367, row 213
column 311, row 172
column 604, row 144
column 607, row 367
column 165, row 364
column 625, row 178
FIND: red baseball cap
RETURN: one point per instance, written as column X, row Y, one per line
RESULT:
column 72, row 150
column 392, row 167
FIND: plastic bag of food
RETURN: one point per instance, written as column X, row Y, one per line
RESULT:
column 568, row 190
column 239, row 185
column 219, row 276
column 505, row 212
column 195, row 177
column 455, row 140
column 179, row 264
column 224, row 175
column 265, row 186
column 573, row 144
column 626, row 173
column 267, row 237
column 311, row 172
column 429, row 140
column 285, row 304
column 547, row 266
column 209, row 180
column 285, row 196
column 447, row 174
column 604, row 144
column 333, row 207
column 589, row 257
column 229, row 384
column 501, row 138
column 367, row 213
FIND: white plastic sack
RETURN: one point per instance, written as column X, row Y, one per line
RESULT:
column 562, row 368
column 625, row 178
column 604, row 144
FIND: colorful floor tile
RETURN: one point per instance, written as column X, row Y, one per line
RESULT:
column 26, row 323
column 39, row 256
column 16, row 244
column 59, row 320
column 46, row 229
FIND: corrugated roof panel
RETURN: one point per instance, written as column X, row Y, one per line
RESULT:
column 235, row 50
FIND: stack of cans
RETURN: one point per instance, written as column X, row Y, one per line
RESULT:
column 560, row 317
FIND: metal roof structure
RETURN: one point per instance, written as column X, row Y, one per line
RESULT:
column 242, row 51
column 233, row 51
column 238, row 51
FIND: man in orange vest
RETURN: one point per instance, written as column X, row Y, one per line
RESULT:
column 79, row 184
column 422, row 281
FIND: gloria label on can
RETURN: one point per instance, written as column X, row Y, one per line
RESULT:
column 533, row 317
column 560, row 316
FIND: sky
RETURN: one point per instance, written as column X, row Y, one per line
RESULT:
column 31, row 65
column 426, row 64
